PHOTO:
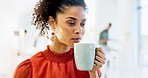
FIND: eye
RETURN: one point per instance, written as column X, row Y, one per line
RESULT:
column 71, row 23
column 82, row 24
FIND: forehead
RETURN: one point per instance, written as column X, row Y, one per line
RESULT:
column 73, row 11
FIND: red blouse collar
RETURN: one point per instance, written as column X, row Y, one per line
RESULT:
column 59, row 58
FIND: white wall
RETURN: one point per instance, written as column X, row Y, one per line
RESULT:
column 7, row 18
column 9, row 21
column 123, row 15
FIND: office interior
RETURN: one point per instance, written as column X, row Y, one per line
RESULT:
column 19, row 39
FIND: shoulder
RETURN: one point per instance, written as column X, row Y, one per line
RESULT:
column 104, row 31
column 23, row 70
column 37, row 58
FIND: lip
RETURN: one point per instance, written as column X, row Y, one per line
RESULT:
column 76, row 40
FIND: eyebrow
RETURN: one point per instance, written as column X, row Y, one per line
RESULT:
column 74, row 18
column 71, row 18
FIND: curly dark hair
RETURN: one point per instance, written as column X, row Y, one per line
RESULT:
column 45, row 8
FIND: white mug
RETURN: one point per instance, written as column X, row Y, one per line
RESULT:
column 84, row 54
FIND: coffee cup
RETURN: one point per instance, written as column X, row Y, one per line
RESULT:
column 84, row 54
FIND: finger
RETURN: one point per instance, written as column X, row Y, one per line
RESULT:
column 98, row 64
column 101, row 55
column 100, row 49
column 100, row 60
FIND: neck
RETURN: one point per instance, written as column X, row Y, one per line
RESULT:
column 58, row 47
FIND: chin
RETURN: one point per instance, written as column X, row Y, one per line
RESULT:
column 72, row 44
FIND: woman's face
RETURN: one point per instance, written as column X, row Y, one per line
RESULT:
column 70, row 25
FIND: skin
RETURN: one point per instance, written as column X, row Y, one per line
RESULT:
column 69, row 28
column 108, row 27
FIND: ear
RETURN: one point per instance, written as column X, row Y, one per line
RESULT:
column 51, row 22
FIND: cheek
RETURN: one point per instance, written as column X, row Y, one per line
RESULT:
column 63, row 33
column 59, row 34
column 83, row 32
column 67, row 31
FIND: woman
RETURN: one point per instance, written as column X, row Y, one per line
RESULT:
column 67, row 20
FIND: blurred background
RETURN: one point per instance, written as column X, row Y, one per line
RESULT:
column 128, row 35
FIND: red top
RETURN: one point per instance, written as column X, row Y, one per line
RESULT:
column 48, row 64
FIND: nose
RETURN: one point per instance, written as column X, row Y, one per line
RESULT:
column 78, row 30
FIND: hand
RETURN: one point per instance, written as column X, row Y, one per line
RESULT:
column 99, row 60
